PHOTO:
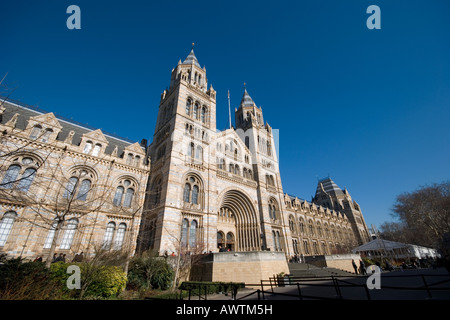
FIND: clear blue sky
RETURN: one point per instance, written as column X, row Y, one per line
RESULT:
column 370, row 108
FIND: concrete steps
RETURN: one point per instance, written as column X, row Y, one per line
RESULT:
column 305, row 270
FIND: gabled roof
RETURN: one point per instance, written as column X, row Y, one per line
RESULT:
column 25, row 112
column 191, row 59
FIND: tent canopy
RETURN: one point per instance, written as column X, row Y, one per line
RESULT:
column 380, row 244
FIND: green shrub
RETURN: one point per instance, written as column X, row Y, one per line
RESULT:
column 25, row 280
column 149, row 272
column 96, row 281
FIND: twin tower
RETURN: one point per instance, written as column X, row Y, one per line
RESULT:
column 213, row 190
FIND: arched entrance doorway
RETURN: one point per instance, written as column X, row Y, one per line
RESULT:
column 237, row 223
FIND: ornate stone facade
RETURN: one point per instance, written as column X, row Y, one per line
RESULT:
column 65, row 184
column 214, row 189
column 204, row 190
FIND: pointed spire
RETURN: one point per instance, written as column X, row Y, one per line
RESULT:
column 191, row 58
column 246, row 100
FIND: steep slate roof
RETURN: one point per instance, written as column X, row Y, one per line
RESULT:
column 329, row 187
column 25, row 112
column 191, row 59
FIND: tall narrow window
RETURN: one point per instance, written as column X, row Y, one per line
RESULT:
column 10, row 176
column 193, row 234
column 199, row 153
column 190, row 150
column 68, row 192
column 87, row 147
column 46, row 135
column 35, row 132
column 195, row 194
column 120, row 236
column 6, row 225
column 203, row 115
column 187, row 192
column 130, row 159
column 274, row 238
column 129, row 197
column 188, row 107
column 51, row 234
column 27, row 179
column 184, row 232
column 109, row 233
column 118, row 196
column 67, row 239
column 97, row 149
column 84, row 190
column 195, row 113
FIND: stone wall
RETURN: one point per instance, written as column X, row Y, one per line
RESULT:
column 338, row 261
column 247, row 267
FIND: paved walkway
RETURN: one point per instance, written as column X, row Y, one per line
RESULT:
column 395, row 285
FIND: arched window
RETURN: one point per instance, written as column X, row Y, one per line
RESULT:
column 222, row 163
column 129, row 197
column 84, row 190
column 127, row 187
column 69, row 234
column 109, row 233
column 230, row 241
column 79, row 184
column 130, row 159
column 273, row 208
column 70, row 188
column 203, row 115
column 10, row 176
column 311, row 228
column 97, row 149
column 51, row 234
column 193, row 234
column 302, row 226
column 187, row 192
column 184, row 232
column 195, row 113
column 20, row 174
column 199, row 153
column 190, row 150
column 247, row 142
column 120, row 236
column 118, row 196
column 46, row 134
column 6, row 225
column 220, row 239
column 27, row 179
column 35, row 132
column 192, row 188
column 188, row 106
column 195, row 194
column 87, row 147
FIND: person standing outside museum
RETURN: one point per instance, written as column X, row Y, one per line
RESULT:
column 355, row 266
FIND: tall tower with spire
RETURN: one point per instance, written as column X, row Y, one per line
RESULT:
column 185, row 125
column 259, row 140
column 209, row 190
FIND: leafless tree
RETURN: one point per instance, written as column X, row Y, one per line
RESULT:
column 423, row 216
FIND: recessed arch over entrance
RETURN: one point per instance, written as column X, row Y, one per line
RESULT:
column 242, row 220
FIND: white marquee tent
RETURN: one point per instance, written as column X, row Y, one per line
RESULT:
column 392, row 249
